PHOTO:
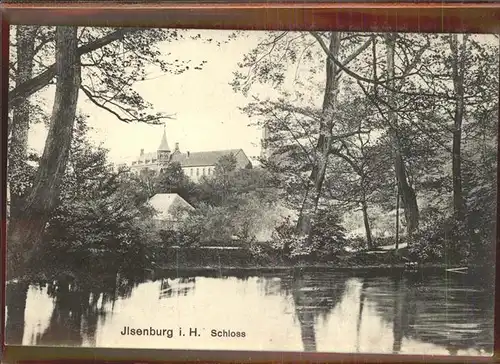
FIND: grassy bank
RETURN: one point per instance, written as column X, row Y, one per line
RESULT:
column 258, row 270
column 221, row 261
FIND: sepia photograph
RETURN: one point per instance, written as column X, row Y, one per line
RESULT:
column 306, row 191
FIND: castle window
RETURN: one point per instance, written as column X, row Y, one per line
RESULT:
column 190, row 171
column 197, row 171
column 203, row 171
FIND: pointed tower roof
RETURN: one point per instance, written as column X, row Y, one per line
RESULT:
column 164, row 144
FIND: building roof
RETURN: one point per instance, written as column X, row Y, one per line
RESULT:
column 203, row 158
column 193, row 159
column 196, row 159
column 149, row 157
column 168, row 205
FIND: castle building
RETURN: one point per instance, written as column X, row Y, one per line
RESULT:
column 194, row 164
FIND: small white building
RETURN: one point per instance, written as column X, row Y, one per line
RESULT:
column 171, row 209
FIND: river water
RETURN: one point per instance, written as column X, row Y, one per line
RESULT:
column 313, row 311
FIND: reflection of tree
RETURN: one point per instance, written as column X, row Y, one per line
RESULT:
column 120, row 286
column 362, row 299
column 176, row 287
column 404, row 312
column 273, row 284
column 314, row 295
column 443, row 312
column 77, row 309
column 78, row 306
column 16, row 296
column 65, row 325
column 395, row 300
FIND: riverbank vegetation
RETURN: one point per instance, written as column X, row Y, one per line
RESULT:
column 397, row 126
column 372, row 142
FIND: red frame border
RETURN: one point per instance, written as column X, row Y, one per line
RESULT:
column 406, row 17
column 430, row 17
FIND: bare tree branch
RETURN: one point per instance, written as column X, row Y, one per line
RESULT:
column 94, row 100
column 25, row 90
column 357, row 52
column 377, row 82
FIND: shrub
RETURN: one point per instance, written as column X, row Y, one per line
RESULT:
column 481, row 219
column 284, row 235
column 357, row 243
column 327, row 237
column 440, row 240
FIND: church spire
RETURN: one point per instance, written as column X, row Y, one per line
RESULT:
column 164, row 144
column 163, row 152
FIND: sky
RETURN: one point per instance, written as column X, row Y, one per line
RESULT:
column 207, row 115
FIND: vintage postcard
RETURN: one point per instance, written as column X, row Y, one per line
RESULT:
column 252, row 190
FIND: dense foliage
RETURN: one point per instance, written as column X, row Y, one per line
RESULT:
column 373, row 139
column 101, row 222
column 396, row 133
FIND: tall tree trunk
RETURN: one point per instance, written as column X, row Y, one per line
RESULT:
column 324, row 145
column 408, row 196
column 397, row 217
column 366, row 221
column 458, row 70
column 19, row 125
column 25, row 233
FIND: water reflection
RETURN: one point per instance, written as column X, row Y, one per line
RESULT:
column 310, row 311
column 77, row 309
column 75, row 314
column 176, row 287
column 314, row 295
column 16, row 297
column 362, row 299
column 451, row 312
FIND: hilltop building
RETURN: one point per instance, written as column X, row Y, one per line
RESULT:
column 194, row 164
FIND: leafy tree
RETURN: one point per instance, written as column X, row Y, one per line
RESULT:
column 327, row 239
column 101, row 221
column 22, row 63
column 42, row 198
column 104, row 64
column 148, row 179
column 233, row 204
column 457, row 68
column 396, row 111
column 315, row 132
column 174, row 180
column 215, row 189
